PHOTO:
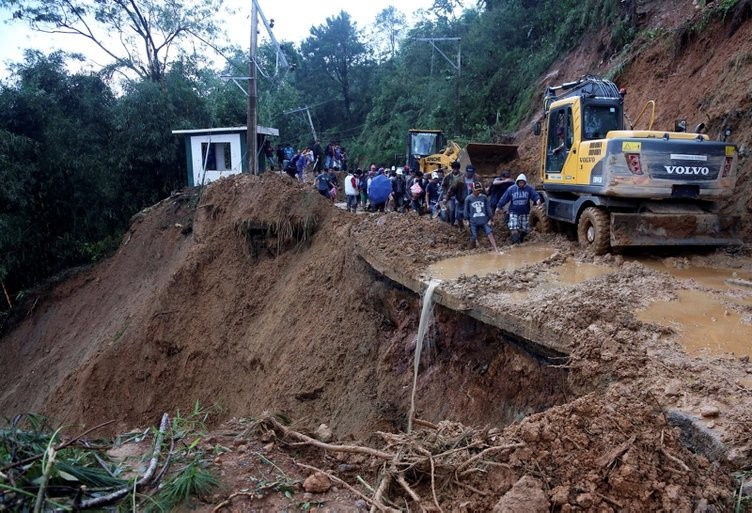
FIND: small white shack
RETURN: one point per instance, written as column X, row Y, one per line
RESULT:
column 221, row 150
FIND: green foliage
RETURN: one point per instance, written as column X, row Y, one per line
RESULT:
column 742, row 501
column 505, row 49
column 334, row 66
column 191, row 479
column 28, row 438
column 25, row 452
column 76, row 162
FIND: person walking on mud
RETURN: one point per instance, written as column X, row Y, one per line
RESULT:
column 520, row 195
column 478, row 215
column 324, row 184
column 446, row 185
column 351, row 190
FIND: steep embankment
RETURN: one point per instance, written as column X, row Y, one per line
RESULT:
column 696, row 66
column 235, row 312
column 263, row 305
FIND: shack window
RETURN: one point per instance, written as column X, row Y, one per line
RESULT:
column 217, row 156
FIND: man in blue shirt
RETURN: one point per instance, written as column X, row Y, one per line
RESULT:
column 520, row 195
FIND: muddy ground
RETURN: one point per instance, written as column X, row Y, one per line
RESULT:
column 271, row 306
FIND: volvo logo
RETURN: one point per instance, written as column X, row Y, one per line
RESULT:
column 687, row 170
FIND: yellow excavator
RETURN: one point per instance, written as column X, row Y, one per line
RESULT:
column 428, row 150
column 623, row 187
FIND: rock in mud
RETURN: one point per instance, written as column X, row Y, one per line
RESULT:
column 317, row 483
column 709, row 411
column 323, row 433
column 526, row 496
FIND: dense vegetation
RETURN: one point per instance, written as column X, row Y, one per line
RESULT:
column 81, row 152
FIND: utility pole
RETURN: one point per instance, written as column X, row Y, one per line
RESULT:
column 252, row 94
column 456, row 64
column 310, row 120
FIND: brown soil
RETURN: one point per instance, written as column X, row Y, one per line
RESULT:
column 256, row 297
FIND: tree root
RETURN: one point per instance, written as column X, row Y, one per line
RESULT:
column 442, row 453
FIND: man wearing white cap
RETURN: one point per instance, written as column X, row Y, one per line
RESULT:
column 520, row 194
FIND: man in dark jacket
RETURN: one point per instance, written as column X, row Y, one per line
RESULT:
column 520, row 195
column 461, row 189
column 318, row 156
column 497, row 189
column 451, row 203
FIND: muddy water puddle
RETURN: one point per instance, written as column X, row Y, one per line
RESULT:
column 572, row 272
column 703, row 324
column 711, row 277
column 483, row 264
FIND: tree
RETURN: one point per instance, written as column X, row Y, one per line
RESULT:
column 334, row 49
column 138, row 35
column 388, row 26
column 59, row 191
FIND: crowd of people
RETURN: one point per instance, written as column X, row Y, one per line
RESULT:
column 453, row 197
column 295, row 163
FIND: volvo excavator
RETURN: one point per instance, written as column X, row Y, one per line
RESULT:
column 622, row 187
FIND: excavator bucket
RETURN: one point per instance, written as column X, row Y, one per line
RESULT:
column 674, row 229
column 488, row 158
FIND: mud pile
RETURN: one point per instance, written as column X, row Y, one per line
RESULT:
column 253, row 299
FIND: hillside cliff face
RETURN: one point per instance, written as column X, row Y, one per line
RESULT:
column 694, row 61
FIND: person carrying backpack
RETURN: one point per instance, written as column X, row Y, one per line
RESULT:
column 417, row 191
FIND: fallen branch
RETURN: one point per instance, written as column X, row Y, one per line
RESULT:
column 611, row 501
column 608, row 459
column 433, row 486
column 485, row 452
column 122, row 492
column 7, row 297
column 674, row 459
column 380, row 491
column 39, row 504
column 330, row 447
column 414, row 496
column 471, row 488
column 252, row 494
column 166, row 465
column 424, row 423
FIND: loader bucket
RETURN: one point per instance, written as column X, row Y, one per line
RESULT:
column 674, row 229
column 488, row 158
